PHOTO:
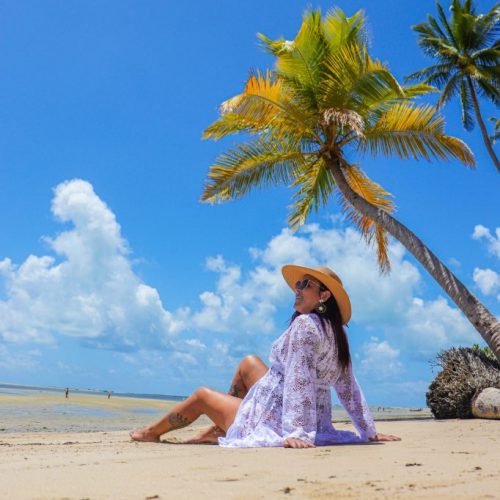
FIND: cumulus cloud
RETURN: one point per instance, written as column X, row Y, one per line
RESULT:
column 26, row 361
column 88, row 289
column 487, row 280
column 380, row 360
column 432, row 325
column 240, row 305
column 390, row 306
column 492, row 241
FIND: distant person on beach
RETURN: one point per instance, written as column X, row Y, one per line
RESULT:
column 66, row 392
column 109, row 394
column 288, row 404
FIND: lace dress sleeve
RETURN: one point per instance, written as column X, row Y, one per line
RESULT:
column 299, row 394
column 353, row 400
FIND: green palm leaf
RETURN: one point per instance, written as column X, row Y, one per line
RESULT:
column 315, row 187
column 467, row 50
column 257, row 164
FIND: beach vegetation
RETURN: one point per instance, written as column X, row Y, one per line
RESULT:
column 466, row 48
column 465, row 372
column 325, row 102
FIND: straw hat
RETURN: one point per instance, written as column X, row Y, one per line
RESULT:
column 292, row 274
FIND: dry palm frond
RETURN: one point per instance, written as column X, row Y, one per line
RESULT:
column 417, row 132
column 465, row 373
column 266, row 87
column 268, row 107
column 377, row 196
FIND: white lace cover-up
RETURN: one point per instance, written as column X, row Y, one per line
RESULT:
column 293, row 398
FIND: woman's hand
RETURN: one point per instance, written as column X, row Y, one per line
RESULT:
column 297, row 443
column 384, row 437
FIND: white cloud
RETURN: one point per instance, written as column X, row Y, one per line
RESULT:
column 433, row 325
column 380, row 361
column 487, row 280
column 239, row 305
column 89, row 290
column 493, row 241
column 244, row 304
column 13, row 362
column 196, row 344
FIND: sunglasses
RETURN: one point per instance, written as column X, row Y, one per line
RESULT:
column 303, row 284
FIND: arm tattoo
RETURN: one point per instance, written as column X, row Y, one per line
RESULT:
column 176, row 420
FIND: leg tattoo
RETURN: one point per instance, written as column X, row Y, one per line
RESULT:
column 236, row 391
column 177, row 421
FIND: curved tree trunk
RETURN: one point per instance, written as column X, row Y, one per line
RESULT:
column 482, row 126
column 482, row 319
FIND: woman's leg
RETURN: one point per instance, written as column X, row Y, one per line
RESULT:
column 219, row 407
column 249, row 371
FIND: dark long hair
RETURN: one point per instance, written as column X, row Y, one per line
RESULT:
column 332, row 316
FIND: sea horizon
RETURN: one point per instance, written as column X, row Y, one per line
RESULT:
column 79, row 390
column 379, row 411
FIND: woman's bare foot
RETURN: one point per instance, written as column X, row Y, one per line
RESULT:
column 144, row 435
column 210, row 435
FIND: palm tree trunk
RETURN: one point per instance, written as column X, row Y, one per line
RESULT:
column 482, row 319
column 482, row 126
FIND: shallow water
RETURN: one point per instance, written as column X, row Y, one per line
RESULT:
column 41, row 410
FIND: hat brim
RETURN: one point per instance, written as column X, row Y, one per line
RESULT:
column 293, row 273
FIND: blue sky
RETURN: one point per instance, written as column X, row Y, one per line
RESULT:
column 114, row 276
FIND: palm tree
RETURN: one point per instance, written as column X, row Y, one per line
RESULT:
column 325, row 101
column 467, row 50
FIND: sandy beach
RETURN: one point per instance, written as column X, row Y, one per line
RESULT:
column 435, row 459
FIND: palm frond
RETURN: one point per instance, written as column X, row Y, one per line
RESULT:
column 410, row 131
column 489, row 90
column 300, row 61
column 449, row 90
column 437, row 74
column 378, row 197
column 487, row 27
column 434, row 25
column 373, row 84
column 444, row 22
column 373, row 107
column 315, row 185
column 342, row 69
column 441, row 49
column 266, row 104
column 232, row 123
column 252, row 165
column 341, row 30
column 488, row 56
column 466, row 105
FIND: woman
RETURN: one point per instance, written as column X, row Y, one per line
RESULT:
column 289, row 404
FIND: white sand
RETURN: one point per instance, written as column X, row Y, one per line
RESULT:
column 436, row 459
